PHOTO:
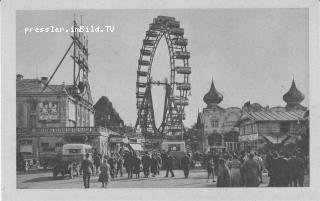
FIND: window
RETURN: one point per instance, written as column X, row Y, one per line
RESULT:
column 44, row 144
column 215, row 123
column 174, row 147
column 49, row 149
column 32, row 121
column 59, row 144
column 74, row 151
column 88, row 151
column 242, row 131
column 33, row 105
column 284, row 127
column 25, row 142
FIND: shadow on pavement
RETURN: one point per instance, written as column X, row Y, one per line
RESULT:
column 33, row 172
column 42, row 179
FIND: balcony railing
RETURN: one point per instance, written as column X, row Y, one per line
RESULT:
column 66, row 130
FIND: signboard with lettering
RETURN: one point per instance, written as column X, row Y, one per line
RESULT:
column 48, row 111
column 117, row 140
column 248, row 137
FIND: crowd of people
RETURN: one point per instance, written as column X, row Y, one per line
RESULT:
column 246, row 169
column 230, row 169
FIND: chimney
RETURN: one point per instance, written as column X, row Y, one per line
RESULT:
column 44, row 80
column 19, row 77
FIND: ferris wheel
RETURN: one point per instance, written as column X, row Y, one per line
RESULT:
column 176, row 87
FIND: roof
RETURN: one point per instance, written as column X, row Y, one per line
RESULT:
column 213, row 96
column 273, row 116
column 293, row 95
column 34, row 86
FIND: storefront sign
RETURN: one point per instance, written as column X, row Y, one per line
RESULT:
column 248, row 137
column 26, row 148
column 117, row 140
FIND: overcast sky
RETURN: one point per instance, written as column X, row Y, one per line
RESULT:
column 251, row 54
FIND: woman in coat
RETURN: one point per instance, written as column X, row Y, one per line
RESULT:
column 223, row 175
column 104, row 173
column 235, row 174
column 251, row 170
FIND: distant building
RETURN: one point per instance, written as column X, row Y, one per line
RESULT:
column 106, row 116
column 218, row 123
column 253, row 126
column 58, row 115
column 273, row 128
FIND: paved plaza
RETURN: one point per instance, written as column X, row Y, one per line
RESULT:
column 40, row 179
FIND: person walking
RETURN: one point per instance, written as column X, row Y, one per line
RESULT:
column 270, row 158
column 223, row 174
column 111, row 162
column 127, row 163
column 96, row 162
column 164, row 158
column 115, row 163
column 169, row 166
column 136, row 166
column 260, row 162
column 104, row 173
column 296, row 164
column 154, row 165
column 280, row 168
column 86, row 168
column 146, row 164
column 210, row 166
column 119, row 166
column 300, row 166
column 251, row 170
column 235, row 174
column 158, row 157
column 185, row 163
column 216, row 158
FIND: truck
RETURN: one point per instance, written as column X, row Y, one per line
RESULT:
column 177, row 149
column 69, row 161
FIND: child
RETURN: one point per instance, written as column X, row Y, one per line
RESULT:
column 104, row 173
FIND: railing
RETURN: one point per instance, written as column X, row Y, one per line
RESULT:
column 66, row 130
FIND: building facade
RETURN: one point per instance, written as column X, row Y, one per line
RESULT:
column 219, row 132
column 252, row 127
column 274, row 128
column 53, row 115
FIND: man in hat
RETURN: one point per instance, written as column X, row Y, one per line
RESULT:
column 87, row 168
column 185, row 162
column 169, row 166
column 146, row 164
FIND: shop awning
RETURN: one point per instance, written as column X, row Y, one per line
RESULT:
column 136, row 147
column 276, row 139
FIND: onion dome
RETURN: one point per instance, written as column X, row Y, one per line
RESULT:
column 213, row 97
column 293, row 96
